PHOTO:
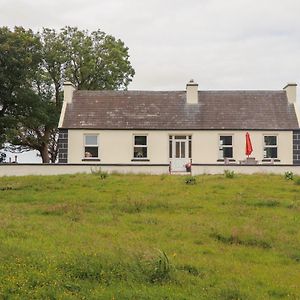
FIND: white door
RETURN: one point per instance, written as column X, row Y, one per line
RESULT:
column 180, row 152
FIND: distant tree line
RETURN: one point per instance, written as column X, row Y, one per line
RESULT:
column 33, row 67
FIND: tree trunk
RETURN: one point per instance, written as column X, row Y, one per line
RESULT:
column 45, row 154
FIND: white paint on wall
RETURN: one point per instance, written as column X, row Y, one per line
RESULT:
column 57, row 169
column 116, row 147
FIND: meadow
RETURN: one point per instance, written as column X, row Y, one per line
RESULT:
column 149, row 237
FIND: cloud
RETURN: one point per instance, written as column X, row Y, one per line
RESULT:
column 233, row 44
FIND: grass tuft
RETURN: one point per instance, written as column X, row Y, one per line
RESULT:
column 190, row 180
column 297, row 181
column 229, row 174
column 191, row 270
column 234, row 239
column 266, row 203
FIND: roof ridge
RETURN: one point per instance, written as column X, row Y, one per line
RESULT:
column 178, row 91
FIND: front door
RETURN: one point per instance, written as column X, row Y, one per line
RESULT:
column 180, row 152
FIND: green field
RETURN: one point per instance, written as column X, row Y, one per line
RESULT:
column 149, row 237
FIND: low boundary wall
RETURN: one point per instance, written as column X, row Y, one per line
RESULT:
column 197, row 169
column 59, row 169
column 245, row 169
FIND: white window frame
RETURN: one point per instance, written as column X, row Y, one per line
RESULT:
column 270, row 146
column 85, row 145
column 140, row 146
column 226, row 146
column 189, row 144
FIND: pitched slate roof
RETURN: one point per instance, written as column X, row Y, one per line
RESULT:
column 169, row 110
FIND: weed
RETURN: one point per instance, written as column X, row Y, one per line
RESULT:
column 289, row 175
column 103, row 175
column 161, row 268
column 229, row 174
column 190, row 180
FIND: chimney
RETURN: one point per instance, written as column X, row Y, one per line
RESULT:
column 68, row 91
column 192, row 92
column 291, row 92
column 68, row 96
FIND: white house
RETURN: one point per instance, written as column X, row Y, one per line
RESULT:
column 162, row 128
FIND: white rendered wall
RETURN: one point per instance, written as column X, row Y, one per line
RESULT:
column 59, row 169
column 116, row 146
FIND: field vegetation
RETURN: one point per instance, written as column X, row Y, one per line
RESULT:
column 149, row 237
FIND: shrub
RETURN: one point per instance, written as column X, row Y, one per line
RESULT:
column 289, row 175
column 229, row 174
column 190, row 180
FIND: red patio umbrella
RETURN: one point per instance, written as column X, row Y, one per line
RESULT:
column 249, row 148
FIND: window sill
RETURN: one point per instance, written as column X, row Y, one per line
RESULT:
column 140, row 159
column 230, row 160
column 270, row 159
column 90, row 159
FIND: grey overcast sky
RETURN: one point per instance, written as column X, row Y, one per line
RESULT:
column 232, row 44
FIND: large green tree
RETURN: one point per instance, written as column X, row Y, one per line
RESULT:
column 19, row 59
column 90, row 60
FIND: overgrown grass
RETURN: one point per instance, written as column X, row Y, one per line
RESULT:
column 149, row 237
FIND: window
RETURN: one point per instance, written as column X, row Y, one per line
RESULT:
column 180, row 146
column 170, row 146
column 91, row 148
column 270, row 146
column 140, row 146
column 190, row 146
column 225, row 146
